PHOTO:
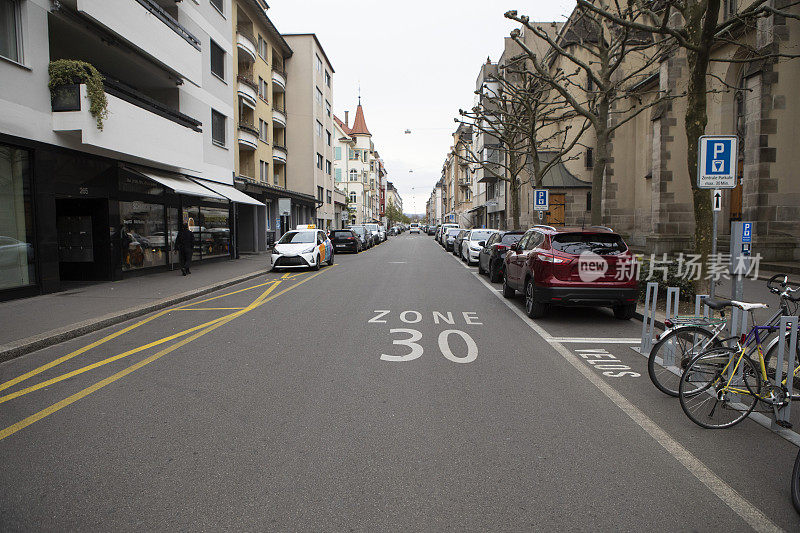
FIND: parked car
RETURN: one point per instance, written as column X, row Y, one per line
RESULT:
column 572, row 267
column 492, row 256
column 449, row 238
column 473, row 243
column 375, row 229
column 302, row 248
column 345, row 240
column 364, row 236
column 457, row 242
column 443, row 230
column 432, row 230
column 414, row 228
column 383, row 233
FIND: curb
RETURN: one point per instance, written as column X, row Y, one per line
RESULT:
column 27, row 345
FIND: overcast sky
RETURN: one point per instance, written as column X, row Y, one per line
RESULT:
column 416, row 62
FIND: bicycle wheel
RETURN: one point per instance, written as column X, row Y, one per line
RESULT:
column 670, row 355
column 771, row 362
column 796, row 483
column 708, row 395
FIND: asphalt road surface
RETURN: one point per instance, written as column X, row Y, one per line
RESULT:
column 396, row 390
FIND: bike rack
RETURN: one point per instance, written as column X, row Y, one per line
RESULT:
column 698, row 303
column 673, row 293
column 738, row 325
column 783, row 414
column 649, row 318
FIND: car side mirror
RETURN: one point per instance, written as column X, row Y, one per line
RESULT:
column 481, row 243
column 514, row 247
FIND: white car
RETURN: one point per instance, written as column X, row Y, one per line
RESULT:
column 414, row 228
column 302, row 248
column 470, row 249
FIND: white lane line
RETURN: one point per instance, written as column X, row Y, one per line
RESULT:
column 598, row 340
column 738, row 504
column 396, row 262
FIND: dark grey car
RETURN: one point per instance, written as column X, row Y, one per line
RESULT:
column 458, row 241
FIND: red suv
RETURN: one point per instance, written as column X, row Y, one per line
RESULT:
column 572, row 267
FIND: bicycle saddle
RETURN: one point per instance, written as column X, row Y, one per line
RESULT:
column 716, row 304
column 744, row 306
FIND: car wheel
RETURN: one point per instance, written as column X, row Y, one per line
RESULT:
column 625, row 312
column 508, row 292
column 330, row 260
column 532, row 308
column 494, row 273
column 316, row 264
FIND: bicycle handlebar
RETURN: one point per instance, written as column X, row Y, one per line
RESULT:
column 783, row 290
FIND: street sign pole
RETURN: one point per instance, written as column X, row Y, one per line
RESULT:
column 716, row 206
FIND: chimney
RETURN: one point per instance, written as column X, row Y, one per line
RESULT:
column 347, row 118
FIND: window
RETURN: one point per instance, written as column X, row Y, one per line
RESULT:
column 263, row 128
column 219, row 5
column 589, row 84
column 338, row 174
column 589, row 201
column 263, row 171
column 320, row 191
column 353, row 154
column 262, row 48
column 217, row 60
column 319, row 161
column 329, row 196
column 327, row 78
column 728, row 9
column 328, row 137
column 352, row 197
column 262, row 88
column 353, row 174
column 319, row 129
column 319, row 64
column 10, row 34
column 328, row 167
column 589, row 158
column 327, row 108
column 16, row 222
column 217, row 128
column 365, row 155
column 337, row 153
column 276, row 177
column 319, row 97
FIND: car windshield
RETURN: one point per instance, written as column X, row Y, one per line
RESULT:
column 578, row 243
column 480, row 235
column 341, row 234
column 511, row 238
column 299, row 237
column 359, row 231
column 452, row 232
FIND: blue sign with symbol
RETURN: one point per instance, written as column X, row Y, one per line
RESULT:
column 747, row 232
column 716, row 167
column 541, row 199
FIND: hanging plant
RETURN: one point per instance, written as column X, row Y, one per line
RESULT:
column 69, row 72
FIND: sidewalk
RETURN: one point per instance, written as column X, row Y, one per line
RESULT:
column 33, row 323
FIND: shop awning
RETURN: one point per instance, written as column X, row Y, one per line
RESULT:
column 228, row 192
column 177, row 183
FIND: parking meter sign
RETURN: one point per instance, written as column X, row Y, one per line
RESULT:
column 747, row 232
column 716, row 166
column 541, row 199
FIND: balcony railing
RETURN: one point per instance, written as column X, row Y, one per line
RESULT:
column 247, row 80
column 167, row 19
column 249, row 127
column 132, row 96
column 280, row 147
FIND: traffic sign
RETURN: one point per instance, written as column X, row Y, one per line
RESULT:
column 716, row 200
column 716, row 164
column 541, row 199
column 747, row 232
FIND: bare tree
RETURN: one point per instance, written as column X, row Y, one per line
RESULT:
column 613, row 59
column 695, row 26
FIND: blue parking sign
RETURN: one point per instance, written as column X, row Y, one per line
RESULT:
column 541, row 199
column 747, row 232
column 716, row 165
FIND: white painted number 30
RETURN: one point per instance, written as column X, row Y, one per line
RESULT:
column 444, row 346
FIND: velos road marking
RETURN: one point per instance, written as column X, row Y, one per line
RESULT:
column 261, row 300
column 727, row 494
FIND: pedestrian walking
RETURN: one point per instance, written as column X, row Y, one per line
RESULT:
column 184, row 244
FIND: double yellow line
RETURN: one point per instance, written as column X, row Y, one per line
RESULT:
column 200, row 330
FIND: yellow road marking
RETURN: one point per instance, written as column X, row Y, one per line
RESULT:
column 79, row 351
column 261, row 300
column 210, row 308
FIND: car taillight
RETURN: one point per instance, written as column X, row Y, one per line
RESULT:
column 501, row 247
column 351, row 238
column 552, row 259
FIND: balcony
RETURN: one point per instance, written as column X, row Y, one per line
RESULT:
column 278, row 153
column 245, row 44
column 248, row 136
column 465, row 182
column 278, row 80
column 247, row 90
column 137, row 127
column 146, row 26
column 279, row 116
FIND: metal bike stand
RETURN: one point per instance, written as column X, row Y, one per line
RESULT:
column 738, row 325
column 673, row 293
column 698, row 303
column 649, row 318
column 783, row 414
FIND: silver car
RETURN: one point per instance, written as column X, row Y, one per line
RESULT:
column 473, row 243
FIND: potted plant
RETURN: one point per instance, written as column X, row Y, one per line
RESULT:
column 65, row 77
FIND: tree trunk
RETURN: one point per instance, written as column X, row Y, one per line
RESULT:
column 513, row 192
column 598, row 170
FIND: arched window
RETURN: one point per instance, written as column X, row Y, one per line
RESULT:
column 353, row 196
column 353, row 174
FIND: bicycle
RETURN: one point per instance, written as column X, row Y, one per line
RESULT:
column 722, row 386
column 688, row 336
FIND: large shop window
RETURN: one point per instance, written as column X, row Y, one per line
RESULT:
column 16, row 219
column 212, row 235
column 145, row 241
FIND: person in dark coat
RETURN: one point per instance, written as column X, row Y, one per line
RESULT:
column 184, row 244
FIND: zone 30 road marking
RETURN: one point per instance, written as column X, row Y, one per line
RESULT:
column 208, row 327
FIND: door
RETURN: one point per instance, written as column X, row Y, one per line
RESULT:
column 516, row 259
column 555, row 216
column 84, row 239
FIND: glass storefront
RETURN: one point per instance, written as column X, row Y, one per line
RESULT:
column 145, row 240
column 16, row 219
column 211, row 228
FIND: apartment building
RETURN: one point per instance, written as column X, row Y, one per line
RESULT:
column 393, row 196
column 458, row 179
column 310, row 130
column 99, row 174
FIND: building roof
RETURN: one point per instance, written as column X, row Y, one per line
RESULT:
column 314, row 35
column 261, row 8
column 359, row 124
column 558, row 176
